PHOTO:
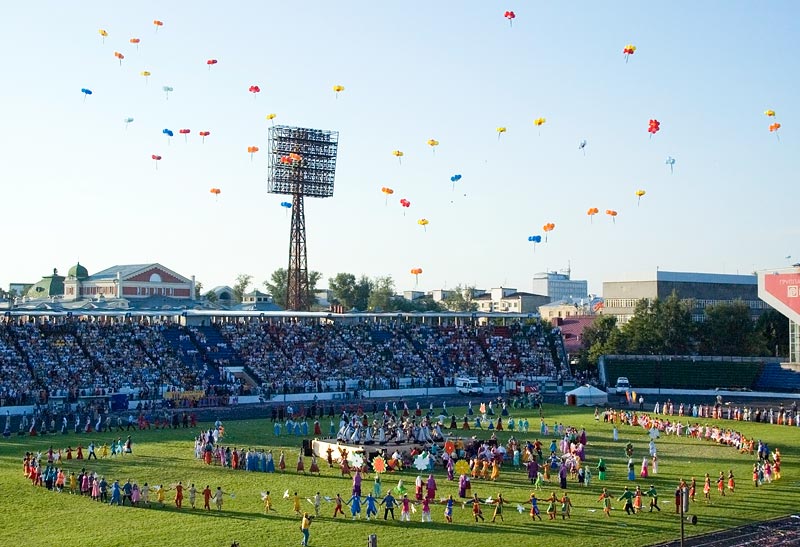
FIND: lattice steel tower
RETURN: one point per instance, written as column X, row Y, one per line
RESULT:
column 302, row 162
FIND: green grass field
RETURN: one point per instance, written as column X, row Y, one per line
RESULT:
column 34, row 517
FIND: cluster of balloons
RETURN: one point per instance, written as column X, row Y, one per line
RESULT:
column 424, row 223
column 399, row 155
column 774, row 126
column 405, row 204
column 654, row 126
column 549, row 227
column 639, row 194
column 415, row 272
column 628, row 50
column 510, row 15
column 216, row 192
column 386, row 192
column 252, row 150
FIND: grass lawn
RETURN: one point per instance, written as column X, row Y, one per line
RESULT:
column 36, row 517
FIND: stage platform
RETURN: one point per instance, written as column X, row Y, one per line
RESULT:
column 369, row 451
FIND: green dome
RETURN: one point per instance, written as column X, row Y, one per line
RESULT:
column 78, row 272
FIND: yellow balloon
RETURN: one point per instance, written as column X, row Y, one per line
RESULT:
column 103, row 33
column 271, row 116
column 539, row 122
column 501, row 129
column 338, row 88
column 145, row 73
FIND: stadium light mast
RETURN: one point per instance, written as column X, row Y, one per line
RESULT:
column 302, row 162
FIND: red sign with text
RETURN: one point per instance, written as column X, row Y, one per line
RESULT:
column 784, row 287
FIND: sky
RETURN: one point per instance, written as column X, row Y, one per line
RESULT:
column 79, row 184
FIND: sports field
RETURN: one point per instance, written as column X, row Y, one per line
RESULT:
column 33, row 516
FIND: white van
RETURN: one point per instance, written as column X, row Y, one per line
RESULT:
column 468, row 386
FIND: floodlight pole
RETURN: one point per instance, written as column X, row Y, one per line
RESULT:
column 297, row 274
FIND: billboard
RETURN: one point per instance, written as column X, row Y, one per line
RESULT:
column 781, row 290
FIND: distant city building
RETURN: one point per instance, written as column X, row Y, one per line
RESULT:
column 560, row 310
column 19, row 289
column 508, row 300
column 50, row 286
column 558, row 286
column 225, row 295
column 130, row 281
column 257, row 301
column 705, row 289
column 413, row 295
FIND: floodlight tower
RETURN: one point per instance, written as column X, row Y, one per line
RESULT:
column 302, row 162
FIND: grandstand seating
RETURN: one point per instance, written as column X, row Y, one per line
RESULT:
column 776, row 378
column 74, row 358
column 684, row 372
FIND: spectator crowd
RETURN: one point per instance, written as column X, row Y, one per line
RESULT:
column 72, row 359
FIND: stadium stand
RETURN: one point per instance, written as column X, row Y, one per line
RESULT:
column 684, row 372
column 69, row 358
column 774, row 377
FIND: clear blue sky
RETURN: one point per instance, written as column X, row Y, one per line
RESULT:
column 76, row 184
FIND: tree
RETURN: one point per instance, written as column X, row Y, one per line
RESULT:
column 677, row 330
column 728, row 329
column 640, row 335
column 382, row 294
column 198, row 289
column 773, row 328
column 211, row 296
column 460, row 299
column 240, row 287
column 343, row 287
column 598, row 339
column 277, row 283
column 276, row 286
column 313, row 279
column 362, row 291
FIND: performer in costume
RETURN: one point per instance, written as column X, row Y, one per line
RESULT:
column 448, row 509
column 605, row 497
column 476, row 508
column 498, row 508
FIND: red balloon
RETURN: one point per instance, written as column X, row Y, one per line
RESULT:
column 254, row 89
column 211, row 62
column 155, row 157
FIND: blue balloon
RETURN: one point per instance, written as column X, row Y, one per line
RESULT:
column 168, row 133
column 286, row 204
column 86, row 91
column 535, row 239
column 455, row 178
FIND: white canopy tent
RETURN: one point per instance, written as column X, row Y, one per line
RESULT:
column 586, row 395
